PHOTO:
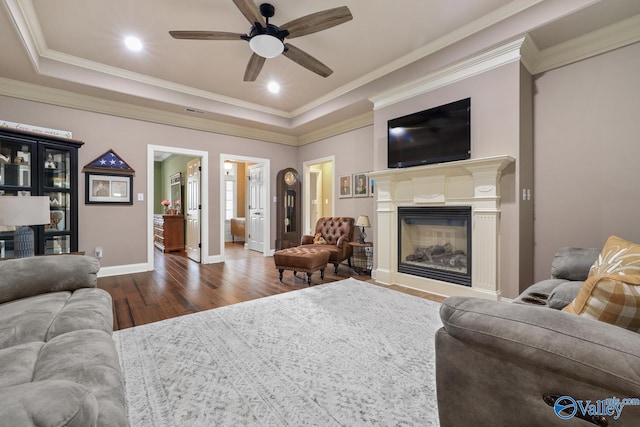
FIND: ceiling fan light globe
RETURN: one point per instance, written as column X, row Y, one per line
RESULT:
column 266, row 46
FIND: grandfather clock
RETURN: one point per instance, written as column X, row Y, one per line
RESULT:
column 289, row 210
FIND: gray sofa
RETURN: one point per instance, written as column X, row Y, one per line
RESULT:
column 506, row 364
column 58, row 362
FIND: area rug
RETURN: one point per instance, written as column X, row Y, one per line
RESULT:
column 346, row 353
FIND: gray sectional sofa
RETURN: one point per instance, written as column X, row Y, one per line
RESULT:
column 58, row 362
column 508, row 363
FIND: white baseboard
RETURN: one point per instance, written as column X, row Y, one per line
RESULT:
column 214, row 259
column 117, row 270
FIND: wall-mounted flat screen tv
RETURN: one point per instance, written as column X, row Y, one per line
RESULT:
column 437, row 135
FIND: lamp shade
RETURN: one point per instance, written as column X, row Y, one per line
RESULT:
column 30, row 210
column 363, row 221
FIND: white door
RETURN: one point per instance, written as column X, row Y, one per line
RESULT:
column 193, row 209
column 257, row 206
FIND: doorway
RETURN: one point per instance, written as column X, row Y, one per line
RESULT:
column 319, row 190
column 155, row 152
column 257, row 191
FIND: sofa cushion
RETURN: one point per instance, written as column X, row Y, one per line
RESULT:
column 89, row 358
column 17, row 363
column 28, row 319
column 563, row 294
column 48, row 403
column 618, row 256
column 25, row 277
column 86, row 309
column 573, row 263
column 613, row 299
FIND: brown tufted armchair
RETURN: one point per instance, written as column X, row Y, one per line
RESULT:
column 338, row 232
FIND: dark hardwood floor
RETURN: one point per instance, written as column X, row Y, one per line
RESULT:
column 181, row 286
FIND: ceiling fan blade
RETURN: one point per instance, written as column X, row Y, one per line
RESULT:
column 253, row 67
column 302, row 58
column 250, row 11
column 206, row 35
column 317, row 22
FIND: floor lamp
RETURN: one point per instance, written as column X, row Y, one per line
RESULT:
column 24, row 212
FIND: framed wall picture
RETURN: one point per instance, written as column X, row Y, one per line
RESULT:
column 372, row 186
column 108, row 189
column 345, row 187
column 360, row 185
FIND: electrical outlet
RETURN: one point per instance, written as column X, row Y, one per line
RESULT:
column 99, row 252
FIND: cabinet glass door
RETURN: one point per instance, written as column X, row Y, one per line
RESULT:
column 57, row 169
column 56, row 184
column 15, row 165
column 15, row 181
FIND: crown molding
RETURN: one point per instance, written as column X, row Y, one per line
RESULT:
column 485, row 61
column 363, row 120
column 45, row 62
column 47, row 95
column 510, row 9
column 22, row 13
column 608, row 38
column 107, row 70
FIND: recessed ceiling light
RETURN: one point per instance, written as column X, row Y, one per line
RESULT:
column 133, row 43
column 273, row 87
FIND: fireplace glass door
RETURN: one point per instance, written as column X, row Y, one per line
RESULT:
column 435, row 242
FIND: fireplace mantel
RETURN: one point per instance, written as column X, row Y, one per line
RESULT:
column 475, row 183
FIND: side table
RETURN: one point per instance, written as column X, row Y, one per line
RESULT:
column 362, row 258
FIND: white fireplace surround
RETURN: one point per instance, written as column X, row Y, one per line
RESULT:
column 475, row 183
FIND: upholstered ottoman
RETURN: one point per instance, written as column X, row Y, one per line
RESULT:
column 301, row 259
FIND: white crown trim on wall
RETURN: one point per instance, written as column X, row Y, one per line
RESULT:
column 485, row 61
column 47, row 95
column 608, row 38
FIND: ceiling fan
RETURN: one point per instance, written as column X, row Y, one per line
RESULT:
column 267, row 40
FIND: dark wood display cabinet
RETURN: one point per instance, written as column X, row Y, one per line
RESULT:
column 289, row 209
column 33, row 164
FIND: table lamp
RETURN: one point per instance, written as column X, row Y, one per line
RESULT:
column 363, row 221
column 23, row 212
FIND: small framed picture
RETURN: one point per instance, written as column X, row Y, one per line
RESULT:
column 372, row 186
column 345, row 187
column 360, row 185
column 108, row 189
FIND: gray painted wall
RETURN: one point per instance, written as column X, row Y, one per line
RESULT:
column 120, row 229
column 586, row 151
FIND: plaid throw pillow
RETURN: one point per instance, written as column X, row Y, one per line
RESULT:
column 613, row 299
column 617, row 257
